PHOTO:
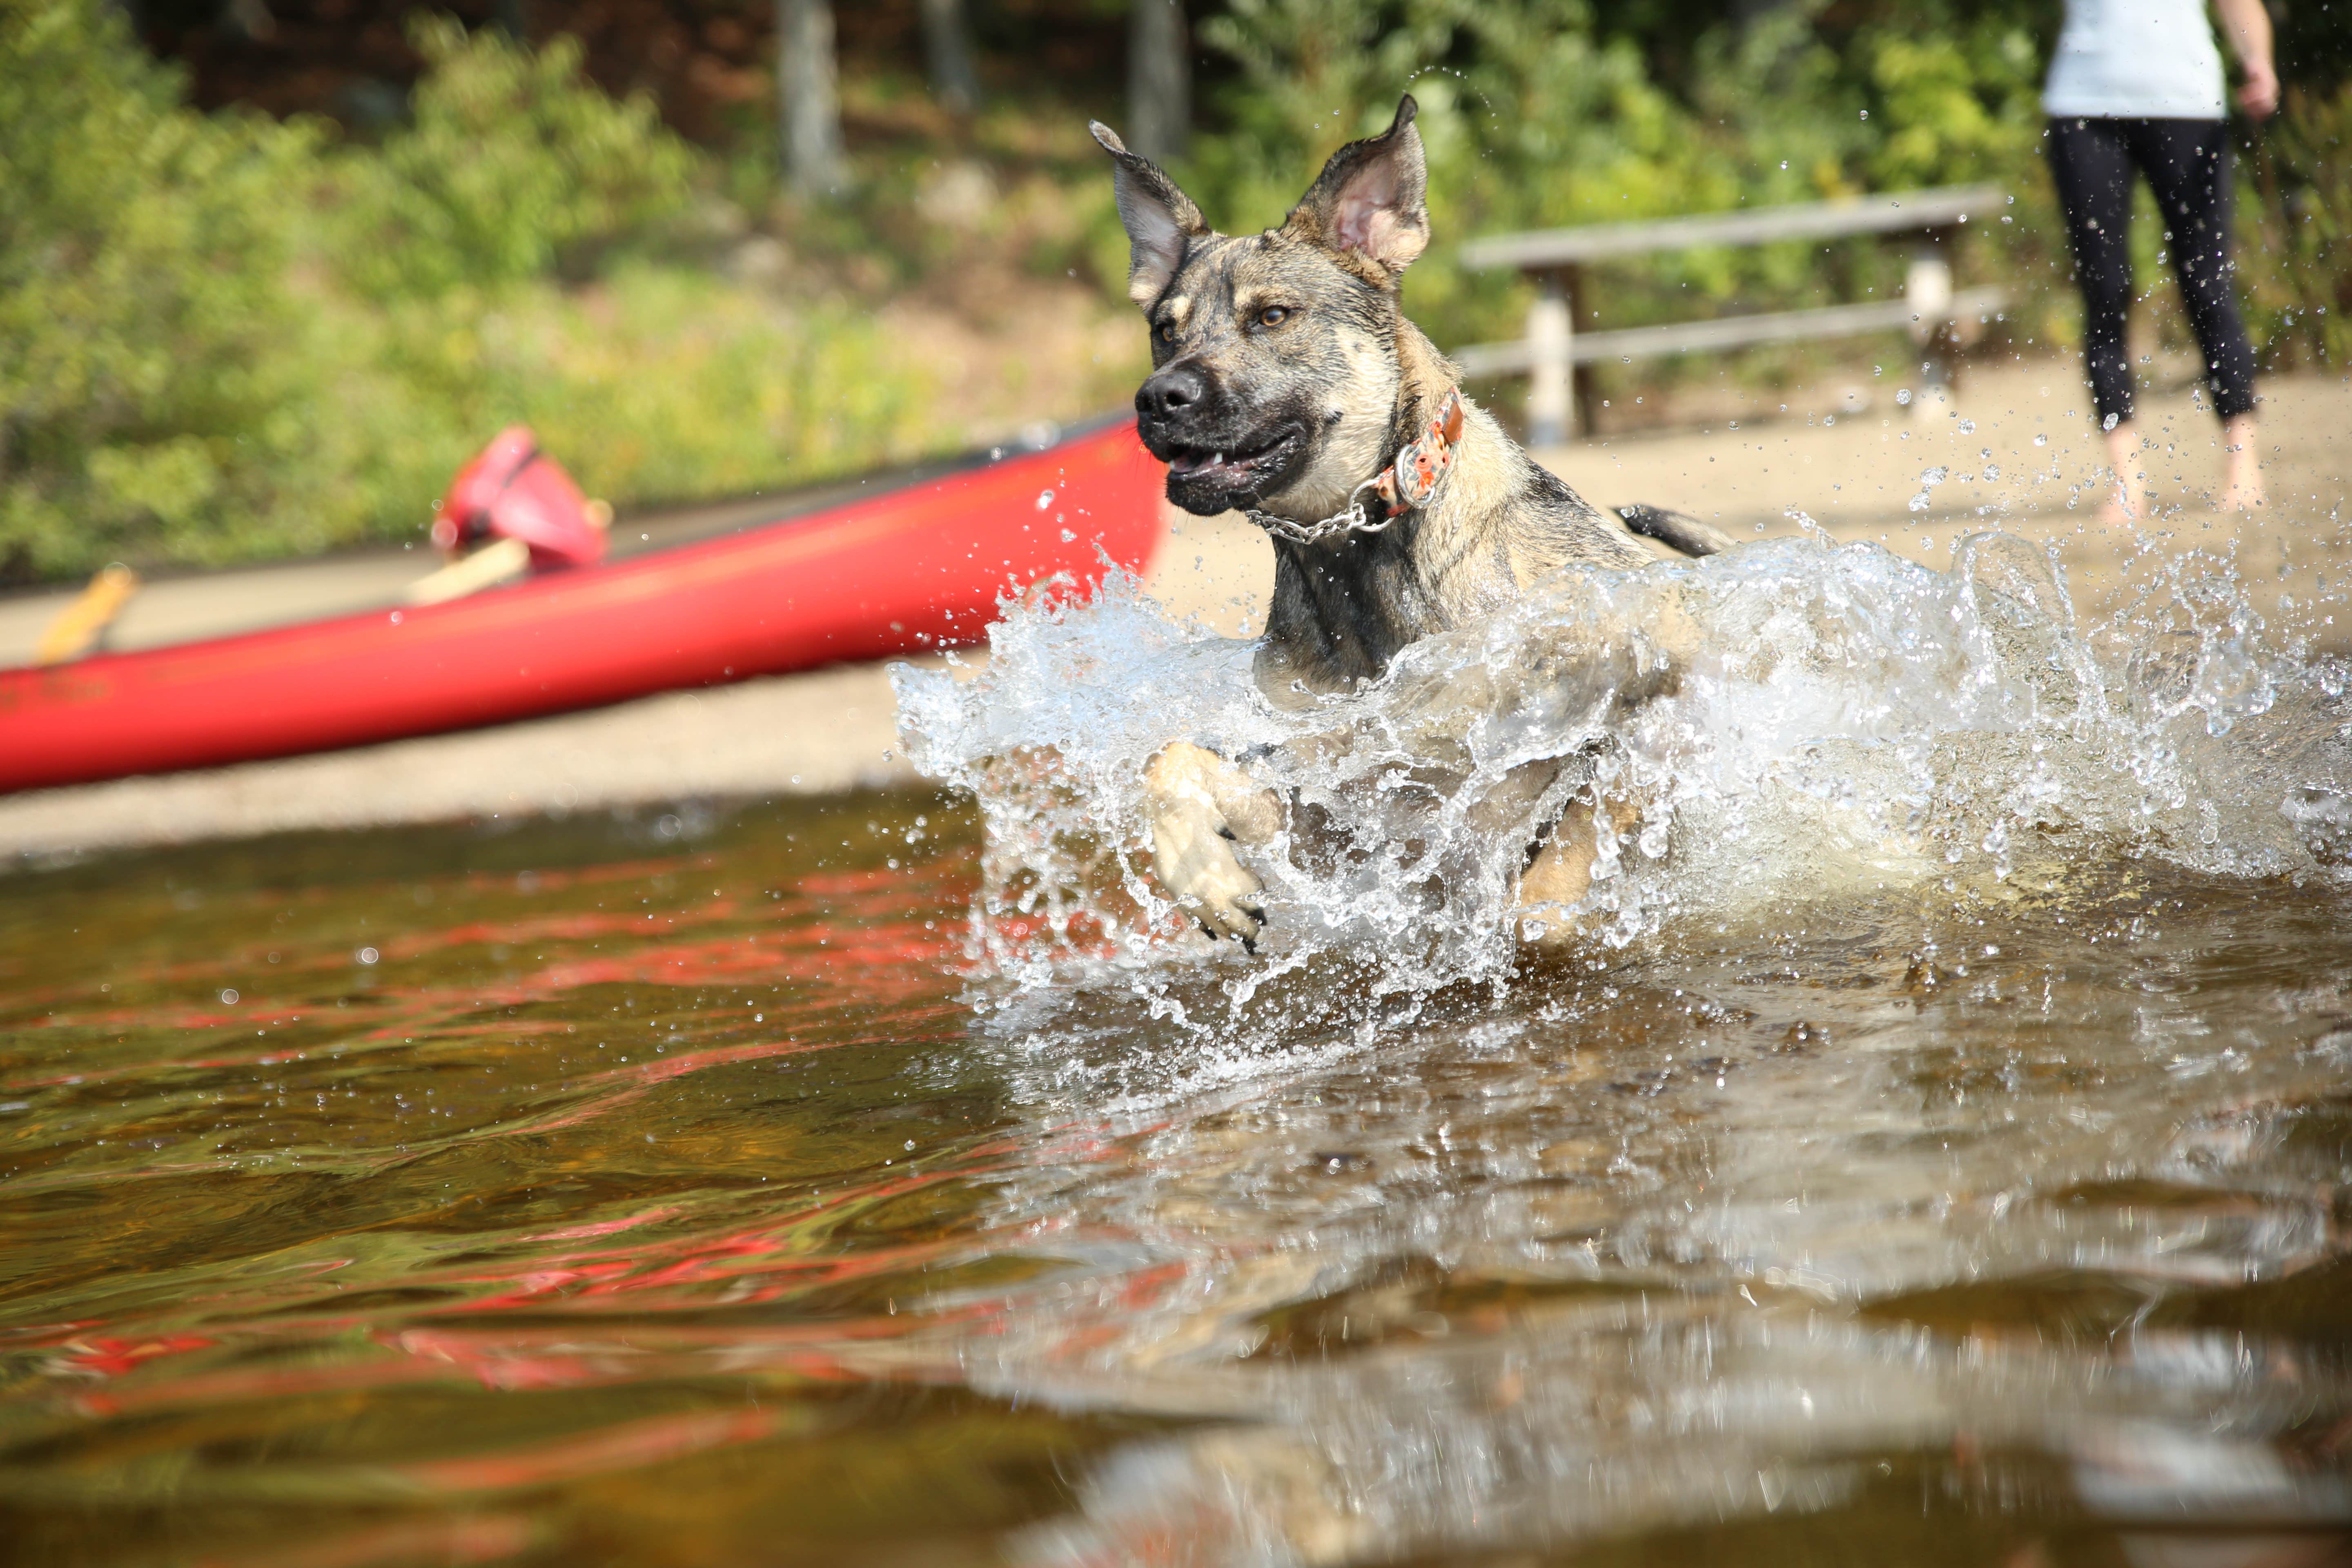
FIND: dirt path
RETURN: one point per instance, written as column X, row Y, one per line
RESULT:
column 2018, row 452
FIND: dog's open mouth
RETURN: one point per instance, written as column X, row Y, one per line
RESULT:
column 1236, row 467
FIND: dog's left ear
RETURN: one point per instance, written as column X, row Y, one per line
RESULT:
column 1370, row 207
column 1161, row 221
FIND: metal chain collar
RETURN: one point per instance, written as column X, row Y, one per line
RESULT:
column 1351, row 518
column 1406, row 484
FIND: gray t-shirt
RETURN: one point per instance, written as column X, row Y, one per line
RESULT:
column 2135, row 59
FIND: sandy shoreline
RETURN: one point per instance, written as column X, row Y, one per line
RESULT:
column 2016, row 452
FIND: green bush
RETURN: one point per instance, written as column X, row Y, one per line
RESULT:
column 512, row 164
column 224, row 339
column 658, row 384
column 158, row 395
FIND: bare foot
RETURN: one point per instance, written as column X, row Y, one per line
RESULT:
column 2127, row 503
column 2241, row 486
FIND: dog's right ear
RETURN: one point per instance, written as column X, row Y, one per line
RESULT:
column 1370, row 207
column 1161, row 219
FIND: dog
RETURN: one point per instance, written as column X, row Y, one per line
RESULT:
column 1288, row 384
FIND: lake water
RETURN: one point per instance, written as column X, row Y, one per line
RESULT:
column 886, row 1179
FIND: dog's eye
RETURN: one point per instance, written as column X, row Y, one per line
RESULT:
column 1167, row 332
column 1274, row 315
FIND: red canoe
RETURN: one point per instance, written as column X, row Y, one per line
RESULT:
column 919, row 567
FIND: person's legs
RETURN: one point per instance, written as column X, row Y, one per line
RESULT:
column 2092, row 167
column 2188, row 166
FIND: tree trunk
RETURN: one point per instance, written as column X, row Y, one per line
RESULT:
column 1158, row 79
column 811, row 98
column 947, row 45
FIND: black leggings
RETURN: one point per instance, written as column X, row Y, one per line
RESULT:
column 2187, row 162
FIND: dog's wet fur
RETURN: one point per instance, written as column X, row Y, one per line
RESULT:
column 1285, row 375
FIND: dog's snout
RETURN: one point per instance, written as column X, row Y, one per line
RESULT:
column 1172, row 392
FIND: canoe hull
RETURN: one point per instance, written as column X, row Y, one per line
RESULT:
column 921, row 567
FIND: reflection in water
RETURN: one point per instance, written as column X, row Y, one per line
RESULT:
column 691, row 1191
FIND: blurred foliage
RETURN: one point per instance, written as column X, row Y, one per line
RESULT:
column 510, row 165
column 224, row 338
column 2295, row 230
column 662, row 383
column 155, row 386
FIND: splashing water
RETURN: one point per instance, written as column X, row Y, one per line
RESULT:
column 1850, row 725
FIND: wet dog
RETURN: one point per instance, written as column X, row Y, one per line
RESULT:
column 1288, row 384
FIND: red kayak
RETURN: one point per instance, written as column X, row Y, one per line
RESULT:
column 923, row 567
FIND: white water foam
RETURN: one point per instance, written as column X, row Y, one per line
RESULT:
column 1851, row 722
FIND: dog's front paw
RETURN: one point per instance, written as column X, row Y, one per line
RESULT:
column 1198, row 868
column 1199, row 800
column 1559, row 875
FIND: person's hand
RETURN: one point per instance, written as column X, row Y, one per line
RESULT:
column 2259, row 97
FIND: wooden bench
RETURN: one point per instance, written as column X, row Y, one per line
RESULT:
column 1555, row 259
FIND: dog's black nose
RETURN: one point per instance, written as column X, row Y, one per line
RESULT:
column 1172, row 390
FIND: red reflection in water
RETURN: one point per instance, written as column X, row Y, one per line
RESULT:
column 610, row 1299
column 757, row 1266
column 102, row 1356
column 858, row 917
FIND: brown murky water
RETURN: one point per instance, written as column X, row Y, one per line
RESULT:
column 664, row 1192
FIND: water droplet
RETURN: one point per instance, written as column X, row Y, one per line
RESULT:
column 367, row 955
column 229, row 997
